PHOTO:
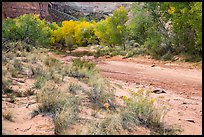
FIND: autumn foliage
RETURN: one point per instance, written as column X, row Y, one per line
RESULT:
column 159, row 29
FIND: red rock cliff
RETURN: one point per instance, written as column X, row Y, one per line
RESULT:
column 15, row 9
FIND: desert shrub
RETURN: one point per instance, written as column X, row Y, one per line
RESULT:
column 109, row 51
column 101, row 52
column 141, row 110
column 65, row 118
column 50, row 62
column 6, row 88
column 8, row 116
column 12, row 98
column 101, row 92
column 39, row 82
column 143, row 107
column 138, row 110
column 49, row 74
column 29, row 92
column 74, row 88
column 79, row 63
column 6, row 82
column 108, row 126
column 80, row 68
column 82, row 53
column 28, row 28
column 85, row 71
column 16, row 47
column 50, row 98
column 119, row 51
column 59, row 104
column 15, row 67
column 97, row 96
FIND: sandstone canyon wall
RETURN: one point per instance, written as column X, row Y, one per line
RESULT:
column 15, row 9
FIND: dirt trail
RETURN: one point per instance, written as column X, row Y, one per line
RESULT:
column 181, row 82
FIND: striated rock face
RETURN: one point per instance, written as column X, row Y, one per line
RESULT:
column 89, row 10
column 15, row 9
column 60, row 11
column 89, row 7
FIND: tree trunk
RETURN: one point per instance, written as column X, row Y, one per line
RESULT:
column 124, row 46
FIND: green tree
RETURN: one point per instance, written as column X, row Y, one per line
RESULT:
column 28, row 28
column 186, row 20
column 168, row 28
column 148, row 29
column 111, row 31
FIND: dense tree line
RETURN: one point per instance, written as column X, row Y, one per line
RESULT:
column 160, row 29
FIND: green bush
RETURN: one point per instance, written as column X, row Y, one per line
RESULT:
column 28, row 28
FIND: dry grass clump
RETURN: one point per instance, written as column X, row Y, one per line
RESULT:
column 108, row 126
column 81, row 69
column 74, row 88
column 8, row 116
column 138, row 110
column 62, row 106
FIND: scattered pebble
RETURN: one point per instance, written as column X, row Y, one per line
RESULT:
column 27, row 105
column 16, row 128
column 190, row 120
column 194, row 108
column 158, row 91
